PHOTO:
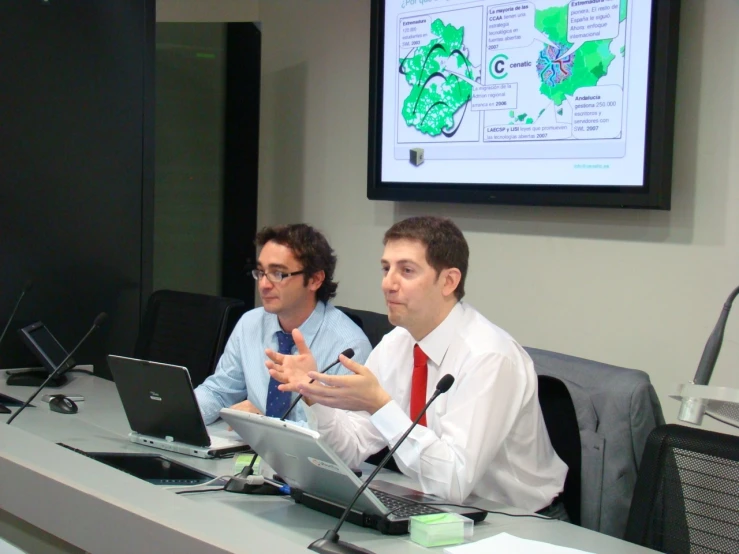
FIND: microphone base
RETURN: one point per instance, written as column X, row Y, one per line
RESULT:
column 35, row 378
column 692, row 410
column 239, row 485
column 721, row 403
column 327, row 546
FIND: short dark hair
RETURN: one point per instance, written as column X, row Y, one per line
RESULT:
column 445, row 244
column 310, row 248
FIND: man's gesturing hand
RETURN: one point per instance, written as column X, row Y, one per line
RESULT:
column 291, row 370
column 358, row 392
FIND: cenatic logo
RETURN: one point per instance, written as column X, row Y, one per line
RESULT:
column 498, row 66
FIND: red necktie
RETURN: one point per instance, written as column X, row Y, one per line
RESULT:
column 418, row 384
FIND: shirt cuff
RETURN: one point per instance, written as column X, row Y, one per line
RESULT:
column 317, row 416
column 391, row 421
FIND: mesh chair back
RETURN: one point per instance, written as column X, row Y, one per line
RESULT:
column 187, row 329
column 686, row 498
column 560, row 418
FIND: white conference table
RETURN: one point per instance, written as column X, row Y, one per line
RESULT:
column 99, row 509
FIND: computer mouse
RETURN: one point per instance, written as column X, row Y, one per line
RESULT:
column 63, row 405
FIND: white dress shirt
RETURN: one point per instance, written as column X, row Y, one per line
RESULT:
column 485, row 436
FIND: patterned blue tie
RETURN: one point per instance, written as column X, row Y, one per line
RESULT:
column 278, row 401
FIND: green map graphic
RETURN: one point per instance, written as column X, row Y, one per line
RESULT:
column 436, row 93
column 562, row 76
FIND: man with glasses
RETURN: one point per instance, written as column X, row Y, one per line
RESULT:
column 294, row 275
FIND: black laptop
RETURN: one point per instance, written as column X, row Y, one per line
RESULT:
column 162, row 410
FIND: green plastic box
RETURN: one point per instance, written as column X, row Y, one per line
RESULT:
column 440, row 529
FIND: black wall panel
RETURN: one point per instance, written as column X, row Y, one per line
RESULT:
column 76, row 169
column 241, row 160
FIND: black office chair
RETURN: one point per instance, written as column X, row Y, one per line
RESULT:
column 374, row 325
column 686, row 498
column 187, row 329
column 560, row 418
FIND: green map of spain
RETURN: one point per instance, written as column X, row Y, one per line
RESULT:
column 436, row 92
column 562, row 75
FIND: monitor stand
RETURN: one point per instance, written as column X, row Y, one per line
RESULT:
column 35, row 378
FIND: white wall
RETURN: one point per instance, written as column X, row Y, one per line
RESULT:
column 640, row 289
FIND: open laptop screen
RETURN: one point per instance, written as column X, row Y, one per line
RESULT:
column 300, row 456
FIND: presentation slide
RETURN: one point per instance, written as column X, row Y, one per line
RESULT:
column 535, row 92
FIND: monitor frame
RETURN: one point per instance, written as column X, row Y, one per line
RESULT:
column 28, row 335
column 654, row 194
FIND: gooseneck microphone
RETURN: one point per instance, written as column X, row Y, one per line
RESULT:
column 713, row 345
column 349, row 353
column 692, row 409
column 26, row 287
column 95, row 324
column 330, row 543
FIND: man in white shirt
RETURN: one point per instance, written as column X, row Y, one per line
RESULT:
column 486, row 435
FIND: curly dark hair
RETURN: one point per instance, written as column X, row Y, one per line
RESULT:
column 310, row 248
column 445, row 244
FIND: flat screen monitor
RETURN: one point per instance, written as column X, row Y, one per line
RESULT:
column 45, row 347
column 553, row 102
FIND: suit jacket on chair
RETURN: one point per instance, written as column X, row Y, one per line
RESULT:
column 616, row 409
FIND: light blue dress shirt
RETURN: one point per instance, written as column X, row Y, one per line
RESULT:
column 241, row 373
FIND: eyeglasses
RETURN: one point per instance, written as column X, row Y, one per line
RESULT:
column 273, row 276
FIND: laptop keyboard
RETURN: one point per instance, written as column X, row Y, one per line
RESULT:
column 402, row 508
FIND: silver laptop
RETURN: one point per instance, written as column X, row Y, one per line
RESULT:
column 162, row 410
column 319, row 479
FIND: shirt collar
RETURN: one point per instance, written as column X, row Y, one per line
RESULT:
column 309, row 327
column 437, row 342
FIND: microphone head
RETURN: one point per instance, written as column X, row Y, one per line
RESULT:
column 28, row 285
column 349, row 353
column 445, row 383
column 100, row 319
